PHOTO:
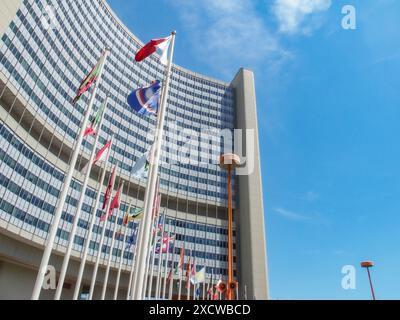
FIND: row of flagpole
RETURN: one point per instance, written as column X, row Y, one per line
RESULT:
column 64, row 191
column 146, row 233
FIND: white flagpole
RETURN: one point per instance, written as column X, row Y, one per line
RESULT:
column 194, row 284
column 164, row 278
column 171, row 281
column 181, row 272
column 131, row 278
column 182, row 269
column 74, row 229
column 160, row 259
column 64, row 192
column 152, row 240
column 152, row 253
column 106, row 275
column 121, row 259
column 103, row 233
column 151, row 185
column 135, row 231
column 92, row 221
column 188, row 284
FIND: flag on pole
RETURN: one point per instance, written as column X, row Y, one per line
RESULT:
column 92, row 128
column 164, row 245
column 90, row 79
column 169, row 279
column 193, row 271
column 157, row 229
column 141, row 168
column 145, row 100
column 199, row 277
column 162, row 45
column 188, row 268
column 132, row 239
column 181, row 261
column 115, row 203
column 212, row 294
column 100, row 157
column 198, row 292
column 107, row 195
column 136, row 215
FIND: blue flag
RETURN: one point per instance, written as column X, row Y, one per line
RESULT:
column 132, row 238
column 145, row 100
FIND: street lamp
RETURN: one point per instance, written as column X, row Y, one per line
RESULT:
column 230, row 162
column 367, row 265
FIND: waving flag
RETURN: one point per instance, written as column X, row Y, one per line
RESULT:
column 166, row 241
column 90, row 79
column 115, row 203
column 100, row 156
column 92, row 128
column 189, row 266
column 211, row 294
column 162, row 45
column 141, row 167
column 199, row 277
column 145, row 100
column 107, row 195
column 181, row 261
column 132, row 239
column 136, row 215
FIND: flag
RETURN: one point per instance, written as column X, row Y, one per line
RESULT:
column 92, row 128
column 145, row 100
column 114, row 204
column 169, row 276
column 162, row 44
column 210, row 292
column 157, row 230
column 132, row 239
column 220, row 286
column 110, row 186
column 163, row 246
column 90, row 79
column 199, row 277
column 198, row 292
column 100, row 156
column 136, row 215
column 181, row 261
column 188, row 272
column 141, row 167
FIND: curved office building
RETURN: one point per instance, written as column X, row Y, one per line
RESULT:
column 46, row 49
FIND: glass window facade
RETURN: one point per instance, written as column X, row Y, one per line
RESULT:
column 45, row 66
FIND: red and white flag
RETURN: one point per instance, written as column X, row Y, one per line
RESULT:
column 115, row 203
column 110, row 186
column 100, row 156
column 162, row 45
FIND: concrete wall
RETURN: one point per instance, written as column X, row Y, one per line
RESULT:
column 19, row 263
column 8, row 9
column 250, row 218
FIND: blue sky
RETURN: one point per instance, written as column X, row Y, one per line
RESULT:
column 329, row 110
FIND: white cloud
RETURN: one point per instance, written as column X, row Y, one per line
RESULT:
column 291, row 215
column 292, row 14
column 227, row 34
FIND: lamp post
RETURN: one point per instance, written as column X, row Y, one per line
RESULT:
column 230, row 162
column 367, row 265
